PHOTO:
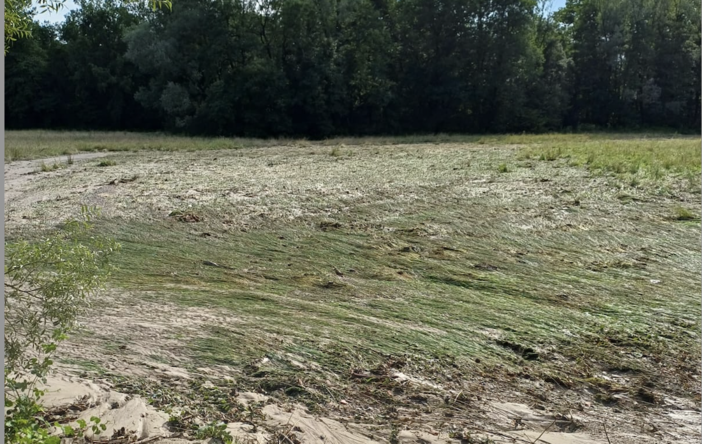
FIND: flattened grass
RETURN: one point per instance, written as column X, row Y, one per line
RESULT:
column 335, row 262
column 460, row 277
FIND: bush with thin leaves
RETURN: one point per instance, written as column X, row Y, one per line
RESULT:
column 48, row 285
column 19, row 15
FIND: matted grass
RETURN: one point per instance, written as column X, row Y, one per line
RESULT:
column 495, row 259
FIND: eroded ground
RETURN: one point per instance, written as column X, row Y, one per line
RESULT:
column 408, row 293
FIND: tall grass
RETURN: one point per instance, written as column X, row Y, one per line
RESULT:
column 652, row 157
column 36, row 144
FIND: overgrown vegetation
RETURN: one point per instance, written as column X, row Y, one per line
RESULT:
column 311, row 68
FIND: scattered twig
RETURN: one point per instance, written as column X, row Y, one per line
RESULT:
column 330, row 394
column 604, row 425
column 503, row 435
column 288, row 439
column 542, row 433
column 152, row 438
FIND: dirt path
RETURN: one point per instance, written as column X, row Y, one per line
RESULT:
column 20, row 173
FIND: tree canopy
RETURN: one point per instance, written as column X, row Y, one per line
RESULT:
column 318, row 68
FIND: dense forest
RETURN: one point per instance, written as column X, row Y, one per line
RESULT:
column 318, row 68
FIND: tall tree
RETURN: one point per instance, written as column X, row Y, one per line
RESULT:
column 316, row 68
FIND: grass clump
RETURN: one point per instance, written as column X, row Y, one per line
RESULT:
column 13, row 153
column 107, row 163
column 503, row 168
column 683, row 214
column 46, row 168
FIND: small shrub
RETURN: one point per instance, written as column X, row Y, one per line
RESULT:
column 48, row 284
column 335, row 152
column 503, row 168
column 70, row 432
column 217, row 431
column 44, row 168
column 551, row 155
column 107, row 163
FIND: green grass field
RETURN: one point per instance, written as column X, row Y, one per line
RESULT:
column 550, row 264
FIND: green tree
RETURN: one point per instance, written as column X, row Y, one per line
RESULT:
column 19, row 15
column 26, row 72
column 102, row 81
column 320, row 67
column 183, row 53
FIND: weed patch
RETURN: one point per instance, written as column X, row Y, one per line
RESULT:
column 107, row 163
column 683, row 214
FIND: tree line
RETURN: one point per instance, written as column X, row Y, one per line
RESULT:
column 318, row 68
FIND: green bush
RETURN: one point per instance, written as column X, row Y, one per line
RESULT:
column 48, row 285
column 217, row 431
